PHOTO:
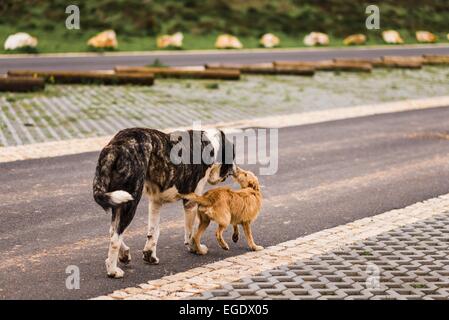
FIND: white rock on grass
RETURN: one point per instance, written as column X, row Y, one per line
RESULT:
column 227, row 41
column 355, row 39
column 170, row 41
column 269, row 40
column 392, row 37
column 425, row 36
column 105, row 39
column 20, row 40
column 316, row 39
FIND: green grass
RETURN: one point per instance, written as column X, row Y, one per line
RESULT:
column 62, row 40
column 212, row 86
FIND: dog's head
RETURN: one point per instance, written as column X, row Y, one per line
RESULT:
column 246, row 179
column 224, row 156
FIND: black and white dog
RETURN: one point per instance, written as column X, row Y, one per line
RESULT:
column 138, row 160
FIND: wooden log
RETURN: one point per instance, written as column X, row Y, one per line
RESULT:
column 317, row 65
column 21, row 84
column 236, row 66
column 348, row 66
column 328, row 65
column 86, row 77
column 182, row 73
column 412, row 62
column 435, row 59
column 264, row 68
column 373, row 61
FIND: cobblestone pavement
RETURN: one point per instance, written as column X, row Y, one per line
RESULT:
column 399, row 254
column 411, row 262
column 74, row 146
column 78, row 111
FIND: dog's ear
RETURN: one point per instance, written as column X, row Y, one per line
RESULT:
column 253, row 184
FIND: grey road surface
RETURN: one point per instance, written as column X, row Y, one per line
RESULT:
column 329, row 174
column 187, row 59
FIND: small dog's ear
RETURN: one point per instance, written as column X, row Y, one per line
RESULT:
column 253, row 185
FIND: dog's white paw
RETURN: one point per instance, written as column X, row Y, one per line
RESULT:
column 113, row 272
column 257, row 248
column 202, row 250
column 150, row 258
column 124, row 256
column 116, row 274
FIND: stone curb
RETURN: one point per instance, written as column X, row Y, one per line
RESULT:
column 212, row 276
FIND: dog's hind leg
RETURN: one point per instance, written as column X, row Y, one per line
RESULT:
column 189, row 224
column 149, row 251
column 114, row 247
column 219, row 236
column 121, row 218
column 196, row 239
column 235, row 235
column 124, row 256
column 249, row 237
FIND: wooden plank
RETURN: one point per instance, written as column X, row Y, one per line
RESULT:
column 317, row 65
column 21, row 84
column 220, row 74
column 328, row 65
column 264, row 68
column 236, row 66
column 86, row 77
column 411, row 62
column 435, row 59
column 349, row 66
column 373, row 61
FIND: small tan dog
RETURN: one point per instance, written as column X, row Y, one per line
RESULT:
column 226, row 206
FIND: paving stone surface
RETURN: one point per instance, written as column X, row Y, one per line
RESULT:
column 368, row 258
column 64, row 112
column 411, row 262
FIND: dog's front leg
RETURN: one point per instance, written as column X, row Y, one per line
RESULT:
column 149, row 252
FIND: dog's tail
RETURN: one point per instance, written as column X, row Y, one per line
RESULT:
column 102, row 180
column 201, row 200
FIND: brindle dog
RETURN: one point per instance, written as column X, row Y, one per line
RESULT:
column 138, row 160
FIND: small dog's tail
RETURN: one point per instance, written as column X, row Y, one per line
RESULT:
column 101, row 182
column 201, row 200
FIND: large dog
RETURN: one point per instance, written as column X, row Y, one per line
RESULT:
column 140, row 159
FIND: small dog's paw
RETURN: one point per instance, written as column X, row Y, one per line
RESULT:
column 202, row 250
column 235, row 237
column 224, row 246
column 124, row 257
column 148, row 257
column 257, row 248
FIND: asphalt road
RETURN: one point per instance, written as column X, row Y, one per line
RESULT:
column 329, row 174
column 188, row 59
